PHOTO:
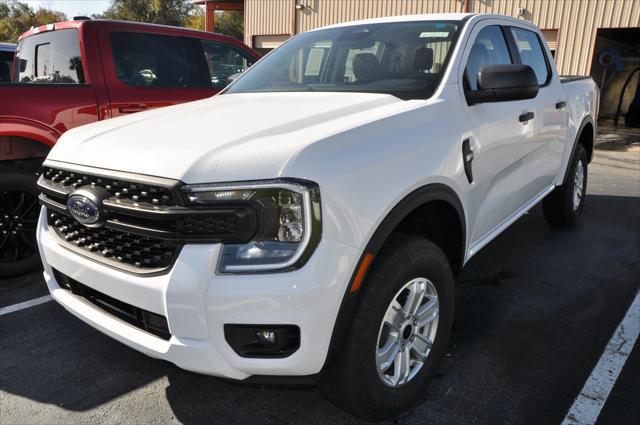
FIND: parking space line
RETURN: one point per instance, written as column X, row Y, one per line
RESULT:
column 594, row 394
column 25, row 304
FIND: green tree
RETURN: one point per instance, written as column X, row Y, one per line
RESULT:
column 17, row 17
column 168, row 12
column 227, row 22
column 230, row 23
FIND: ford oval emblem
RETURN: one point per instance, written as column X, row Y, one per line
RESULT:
column 85, row 207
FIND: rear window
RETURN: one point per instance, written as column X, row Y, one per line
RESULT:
column 49, row 58
column 532, row 53
column 6, row 59
column 150, row 60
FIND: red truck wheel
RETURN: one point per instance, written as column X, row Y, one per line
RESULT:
column 18, row 219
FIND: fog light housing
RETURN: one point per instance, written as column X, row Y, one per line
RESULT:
column 266, row 338
column 263, row 341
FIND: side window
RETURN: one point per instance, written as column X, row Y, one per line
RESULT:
column 150, row 60
column 52, row 57
column 223, row 61
column 489, row 48
column 531, row 53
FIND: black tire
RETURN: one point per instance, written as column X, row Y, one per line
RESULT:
column 352, row 382
column 18, row 198
column 558, row 207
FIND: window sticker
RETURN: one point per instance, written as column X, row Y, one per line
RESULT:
column 314, row 61
column 523, row 45
column 434, row 34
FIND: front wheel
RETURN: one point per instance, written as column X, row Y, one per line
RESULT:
column 399, row 331
column 18, row 219
column 563, row 207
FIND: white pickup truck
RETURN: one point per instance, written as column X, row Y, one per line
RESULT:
column 306, row 225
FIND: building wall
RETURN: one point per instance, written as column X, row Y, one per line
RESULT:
column 268, row 17
column 576, row 21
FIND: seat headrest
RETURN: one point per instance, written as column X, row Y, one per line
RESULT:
column 366, row 67
column 423, row 59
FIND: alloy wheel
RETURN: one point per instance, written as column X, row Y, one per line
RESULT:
column 407, row 332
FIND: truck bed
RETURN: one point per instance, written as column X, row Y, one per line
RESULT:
column 570, row 78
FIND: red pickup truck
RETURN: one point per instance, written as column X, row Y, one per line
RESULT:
column 72, row 73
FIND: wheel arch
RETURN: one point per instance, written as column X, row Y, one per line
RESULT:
column 585, row 136
column 432, row 198
column 18, row 148
column 26, row 138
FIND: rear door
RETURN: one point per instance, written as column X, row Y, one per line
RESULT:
column 500, row 141
column 146, row 70
column 551, row 116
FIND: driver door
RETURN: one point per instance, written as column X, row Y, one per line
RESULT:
column 500, row 140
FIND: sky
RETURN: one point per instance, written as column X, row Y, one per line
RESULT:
column 72, row 7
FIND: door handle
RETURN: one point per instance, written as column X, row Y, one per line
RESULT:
column 561, row 104
column 527, row 116
column 130, row 109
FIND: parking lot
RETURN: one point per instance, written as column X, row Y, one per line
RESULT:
column 535, row 310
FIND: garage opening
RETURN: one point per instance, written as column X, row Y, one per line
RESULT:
column 616, row 69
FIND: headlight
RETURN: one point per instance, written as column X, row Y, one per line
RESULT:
column 289, row 222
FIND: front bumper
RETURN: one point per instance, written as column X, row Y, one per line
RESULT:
column 197, row 303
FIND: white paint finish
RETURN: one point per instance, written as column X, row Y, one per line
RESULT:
column 197, row 303
column 594, row 394
column 366, row 151
column 220, row 135
column 501, row 227
column 25, row 304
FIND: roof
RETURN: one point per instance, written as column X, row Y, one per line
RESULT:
column 81, row 22
column 406, row 18
column 7, row 47
column 430, row 17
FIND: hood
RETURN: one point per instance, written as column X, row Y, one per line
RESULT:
column 224, row 138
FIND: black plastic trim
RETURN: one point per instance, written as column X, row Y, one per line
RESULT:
column 152, row 323
column 242, row 339
column 302, row 381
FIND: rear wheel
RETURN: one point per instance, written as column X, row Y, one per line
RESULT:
column 18, row 219
column 563, row 207
column 399, row 331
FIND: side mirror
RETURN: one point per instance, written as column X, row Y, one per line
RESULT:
column 232, row 77
column 500, row 83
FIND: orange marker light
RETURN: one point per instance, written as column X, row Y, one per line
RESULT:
column 362, row 271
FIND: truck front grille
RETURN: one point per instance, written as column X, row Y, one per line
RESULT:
column 123, row 190
column 114, row 247
column 144, row 219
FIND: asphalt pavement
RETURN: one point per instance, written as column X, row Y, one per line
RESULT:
column 535, row 310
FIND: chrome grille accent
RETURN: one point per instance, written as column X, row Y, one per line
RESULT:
column 66, row 181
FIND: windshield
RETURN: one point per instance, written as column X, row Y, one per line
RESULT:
column 404, row 59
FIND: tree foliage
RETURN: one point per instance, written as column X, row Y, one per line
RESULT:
column 227, row 22
column 230, row 23
column 167, row 12
column 17, row 17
